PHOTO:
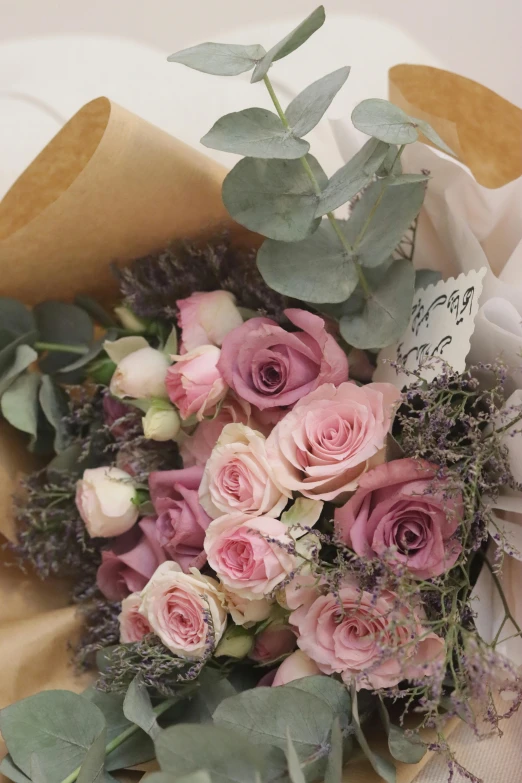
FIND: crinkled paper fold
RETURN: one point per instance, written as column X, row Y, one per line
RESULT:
column 111, row 187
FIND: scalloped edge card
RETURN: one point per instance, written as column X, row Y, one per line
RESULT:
column 441, row 325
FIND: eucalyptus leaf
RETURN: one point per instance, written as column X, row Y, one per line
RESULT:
column 294, row 766
column 382, row 216
column 188, row 748
column 426, row 277
column 290, row 42
column 382, row 767
column 334, row 767
column 353, row 176
column 8, row 352
column 409, row 750
column 97, row 312
column 434, row 137
column 274, row 197
column 385, row 315
column 307, row 108
column 25, row 355
column 219, row 59
column 391, row 163
column 255, row 132
column 75, row 371
column 137, row 708
column 15, row 318
column 19, row 403
column 11, row 771
column 59, row 726
column 404, row 179
column 63, row 323
column 37, row 773
column 137, row 749
column 332, row 692
column 317, row 269
column 92, row 770
column 201, row 776
column 53, row 401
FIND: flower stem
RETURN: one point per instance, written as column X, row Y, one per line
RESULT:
column 120, row 739
column 311, row 176
column 81, row 350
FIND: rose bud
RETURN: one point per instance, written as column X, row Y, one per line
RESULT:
column 272, row 643
column 130, row 320
column 104, row 498
column 141, row 375
column 161, row 423
column 236, row 642
column 206, row 318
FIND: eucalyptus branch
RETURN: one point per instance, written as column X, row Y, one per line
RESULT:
column 331, row 217
column 81, row 350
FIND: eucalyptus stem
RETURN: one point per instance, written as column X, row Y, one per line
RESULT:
column 311, row 176
column 120, row 739
column 81, row 350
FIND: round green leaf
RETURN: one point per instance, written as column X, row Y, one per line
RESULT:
column 274, row 197
column 15, row 318
column 219, row 59
column 67, row 324
column 25, row 356
column 385, row 121
column 20, row 403
column 307, row 108
column 334, row 693
column 317, row 269
column 255, row 132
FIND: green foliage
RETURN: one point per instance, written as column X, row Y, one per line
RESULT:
column 63, row 323
column 257, row 133
column 92, row 768
column 24, row 356
column 334, row 766
column 290, row 42
column 137, row 708
column 219, row 59
column 305, row 111
column 20, row 403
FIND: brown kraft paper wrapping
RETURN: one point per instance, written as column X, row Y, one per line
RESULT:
column 111, row 187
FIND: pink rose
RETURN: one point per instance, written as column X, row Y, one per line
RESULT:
column 196, row 449
column 238, row 476
column 271, row 367
column 186, row 611
column 367, row 637
column 182, row 521
column 206, row 318
column 401, row 513
column 295, row 667
column 127, row 567
column 272, row 643
column 331, row 437
column 133, row 626
column 250, row 555
column 195, row 384
column 105, row 501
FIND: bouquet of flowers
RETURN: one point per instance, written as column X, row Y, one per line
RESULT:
column 267, row 548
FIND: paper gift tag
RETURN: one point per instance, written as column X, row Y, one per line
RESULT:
column 441, row 324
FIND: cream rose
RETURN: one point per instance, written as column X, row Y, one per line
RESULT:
column 104, row 498
column 186, row 611
column 238, row 476
column 141, row 375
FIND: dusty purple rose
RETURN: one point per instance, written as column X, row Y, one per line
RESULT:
column 181, row 522
column 128, row 566
column 402, row 513
column 113, row 411
column 270, row 367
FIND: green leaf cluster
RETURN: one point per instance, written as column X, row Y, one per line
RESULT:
column 280, row 191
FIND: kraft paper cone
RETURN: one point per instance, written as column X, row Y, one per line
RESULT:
column 482, row 128
column 109, row 187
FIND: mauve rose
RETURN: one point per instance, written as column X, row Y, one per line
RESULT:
column 238, row 476
column 271, row 367
column 104, row 498
column 128, row 566
column 295, row 667
column 182, row 521
column 186, row 611
column 272, row 643
column 197, row 448
column 194, row 382
column 141, row 374
column 114, row 411
column 206, row 318
column 368, row 637
column 250, row 555
column 133, row 626
column 400, row 512
column 331, row 437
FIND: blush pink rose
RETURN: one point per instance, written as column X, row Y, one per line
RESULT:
column 206, row 318
column 295, row 667
column 270, row 367
column 331, row 437
column 272, row 643
column 250, row 555
column 128, row 566
column 238, row 476
column 400, row 512
column 195, row 384
column 197, row 448
column 133, row 626
column 181, row 522
column 186, row 611
column 356, row 634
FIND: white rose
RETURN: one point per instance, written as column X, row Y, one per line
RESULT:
column 245, row 611
column 161, row 423
column 239, row 478
column 141, row 375
column 104, row 497
column 186, row 611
